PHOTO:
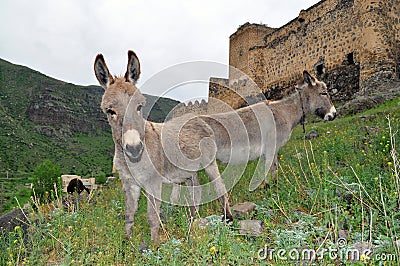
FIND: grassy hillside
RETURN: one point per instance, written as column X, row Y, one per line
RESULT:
column 334, row 194
column 44, row 118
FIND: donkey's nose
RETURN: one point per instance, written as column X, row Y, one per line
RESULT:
column 330, row 116
column 134, row 151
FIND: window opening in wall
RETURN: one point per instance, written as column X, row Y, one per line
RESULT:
column 350, row 58
column 320, row 69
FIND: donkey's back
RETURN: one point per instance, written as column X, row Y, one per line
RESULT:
column 244, row 134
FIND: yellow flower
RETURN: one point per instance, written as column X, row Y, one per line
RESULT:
column 389, row 163
column 364, row 258
column 17, row 228
column 213, row 250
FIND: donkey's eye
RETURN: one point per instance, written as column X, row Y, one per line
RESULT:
column 111, row 112
column 139, row 108
column 324, row 94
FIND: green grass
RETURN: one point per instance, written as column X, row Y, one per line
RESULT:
column 42, row 118
column 342, row 184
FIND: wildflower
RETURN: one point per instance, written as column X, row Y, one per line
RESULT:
column 389, row 163
column 383, row 137
column 213, row 250
column 16, row 228
column 376, row 178
column 364, row 258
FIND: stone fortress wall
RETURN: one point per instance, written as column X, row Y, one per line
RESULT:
column 352, row 45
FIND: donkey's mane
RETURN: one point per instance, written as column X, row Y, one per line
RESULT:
column 287, row 94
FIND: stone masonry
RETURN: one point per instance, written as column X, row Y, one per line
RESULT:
column 352, row 45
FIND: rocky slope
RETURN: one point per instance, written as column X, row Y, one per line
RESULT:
column 44, row 118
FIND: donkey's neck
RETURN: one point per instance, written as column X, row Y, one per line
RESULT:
column 291, row 110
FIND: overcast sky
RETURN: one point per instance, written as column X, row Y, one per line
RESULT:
column 61, row 38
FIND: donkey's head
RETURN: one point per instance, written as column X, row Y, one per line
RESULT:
column 316, row 99
column 122, row 103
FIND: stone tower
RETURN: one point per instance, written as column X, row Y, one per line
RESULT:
column 247, row 36
column 353, row 45
column 378, row 53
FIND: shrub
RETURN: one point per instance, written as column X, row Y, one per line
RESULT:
column 45, row 176
column 101, row 178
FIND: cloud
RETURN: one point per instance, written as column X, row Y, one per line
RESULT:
column 61, row 38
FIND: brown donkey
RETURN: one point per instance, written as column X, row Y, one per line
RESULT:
column 310, row 97
column 258, row 137
column 149, row 154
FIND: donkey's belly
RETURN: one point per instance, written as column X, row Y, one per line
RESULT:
column 239, row 154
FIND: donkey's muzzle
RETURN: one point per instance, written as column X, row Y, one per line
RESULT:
column 134, row 152
column 330, row 117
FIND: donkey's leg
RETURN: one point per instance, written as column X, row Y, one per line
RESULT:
column 270, row 176
column 175, row 193
column 132, row 194
column 153, row 210
column 130, row 187
column 194, row 188
column 219, row 186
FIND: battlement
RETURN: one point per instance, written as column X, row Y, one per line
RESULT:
column 352, row 45
column 197, row 107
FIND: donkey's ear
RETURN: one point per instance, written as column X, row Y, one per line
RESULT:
column 133, row 70
column 308, row 78
column 102, row 73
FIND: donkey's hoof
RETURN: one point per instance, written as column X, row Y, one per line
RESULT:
column 128, row 229
column 267, row 186
column 143, row 246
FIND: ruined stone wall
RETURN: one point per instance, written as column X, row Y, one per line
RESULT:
column 330, row 38
column 219, row 92
column 311, row 43
column 394, row 11
column 219, row 95
column 352, row 45
column 197, row 107
column 377, row 41
column 247, row 36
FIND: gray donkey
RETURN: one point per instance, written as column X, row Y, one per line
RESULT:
column 257, row 138
column 140, row 146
